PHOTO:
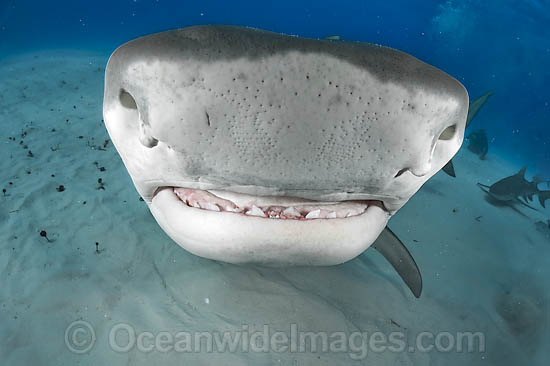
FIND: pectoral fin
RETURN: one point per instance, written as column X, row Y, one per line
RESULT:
column 389, row 245
column 449, row 168
column 475, row 106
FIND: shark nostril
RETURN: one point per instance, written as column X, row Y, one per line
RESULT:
column 399, row 173
column 417, row 172
column 448, row 133
column 145, row 136
column 148, row 141
column 127, row 100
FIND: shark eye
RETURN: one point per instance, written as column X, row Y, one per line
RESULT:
column 145, row 137
column 448, row 133
column 127, row 100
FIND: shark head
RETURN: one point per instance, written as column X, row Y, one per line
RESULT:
column 252, row 146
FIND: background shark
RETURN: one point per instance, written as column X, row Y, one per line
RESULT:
column 517, row 189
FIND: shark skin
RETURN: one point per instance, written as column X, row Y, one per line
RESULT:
column 255, row 147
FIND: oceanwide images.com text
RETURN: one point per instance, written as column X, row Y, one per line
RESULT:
column 80, row 337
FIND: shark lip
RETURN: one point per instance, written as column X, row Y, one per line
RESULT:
column 256, row 229
column 270, row 207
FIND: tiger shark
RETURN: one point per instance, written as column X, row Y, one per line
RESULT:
column 255, row 147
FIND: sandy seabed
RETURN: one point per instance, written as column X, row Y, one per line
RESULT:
column 142, row 300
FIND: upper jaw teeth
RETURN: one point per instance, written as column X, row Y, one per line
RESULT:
column 299, row 210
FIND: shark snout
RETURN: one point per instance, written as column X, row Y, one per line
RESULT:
column 319, row 125
column 360, row 158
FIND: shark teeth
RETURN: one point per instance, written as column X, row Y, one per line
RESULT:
column 205, row 200
column 291, row 212
column 232, row 209
column 255, row 211
column 209, row 206
column 314, row 214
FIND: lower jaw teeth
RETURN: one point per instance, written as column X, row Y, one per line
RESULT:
column 255, row 211
column 209, row 206
column 314, row 214
column 197, row 199
column 292, row 212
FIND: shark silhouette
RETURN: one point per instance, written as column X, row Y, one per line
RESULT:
column 517, row 189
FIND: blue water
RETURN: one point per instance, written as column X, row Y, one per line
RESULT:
column 503, row 46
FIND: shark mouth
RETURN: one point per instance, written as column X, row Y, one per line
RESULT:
column 272, row 230
column 282, row 208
